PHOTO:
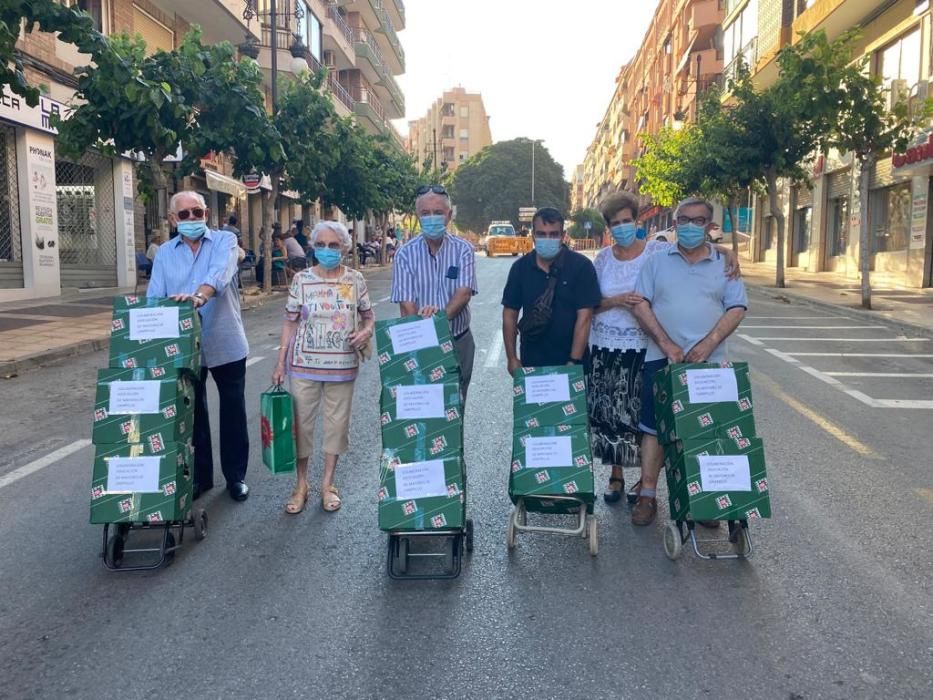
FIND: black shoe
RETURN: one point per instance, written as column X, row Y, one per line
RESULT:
column 199, row 491
column 614, row 495
column 238, row 490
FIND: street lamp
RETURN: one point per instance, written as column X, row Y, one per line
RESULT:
column 251, row 10
column 533, row 143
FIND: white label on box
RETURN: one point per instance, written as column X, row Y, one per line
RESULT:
column 725, row 473
column 712, row 385
column 155, row 323
column 547, row 388
column 417, row 335
column 548, row 452
column 421, row 401
column 133, row 475
column 420, row 480
column 134, row 397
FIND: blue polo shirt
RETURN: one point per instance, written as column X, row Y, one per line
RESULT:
column 688, row 299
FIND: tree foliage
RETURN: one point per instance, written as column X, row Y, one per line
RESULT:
column 578, row 221
column 667, row 171
column 496, row 182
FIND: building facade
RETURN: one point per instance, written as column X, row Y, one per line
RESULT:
column 455, row 127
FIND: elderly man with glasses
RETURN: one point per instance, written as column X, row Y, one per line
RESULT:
column 436, row 272
column 690, row 307
column 199, row 266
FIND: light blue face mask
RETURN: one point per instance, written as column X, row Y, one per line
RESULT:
column 192, row 230
column 690, row 236
column 327, row 258
column 624, row 234
column 547, row 248
column 433, row 225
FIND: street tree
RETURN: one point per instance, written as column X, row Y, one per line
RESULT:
column 496, row 182
column 668, row 171
column 580, row 218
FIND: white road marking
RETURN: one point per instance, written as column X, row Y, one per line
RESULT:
column 856, row 354
column 789, row 318
column 750, row 339
column 495, row 352
column 922, row 375
column 848, row 340
column 385, row 298
column 253, row 360
column 43, row 462
column 744, row 327
column 904, row 403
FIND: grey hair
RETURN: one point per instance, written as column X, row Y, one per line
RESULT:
column 691, row 201
column 185, row 193
column 334, row 226
column 446, row 198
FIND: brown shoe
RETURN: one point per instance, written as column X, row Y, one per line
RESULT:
column 644, row 510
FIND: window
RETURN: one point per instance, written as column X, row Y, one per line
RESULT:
column 447, row 131
column 838, row 220
column 464, row 111
column 10, row 234
column 738, row 36
column 890, row 219
column 802, row 222
column 464, row 134
column 464, row 156
column 448, row 110
column 448, row 154
column 309, row 29
column 901, row 60
column 93, row 8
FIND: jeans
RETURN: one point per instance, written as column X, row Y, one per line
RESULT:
column 234, row 434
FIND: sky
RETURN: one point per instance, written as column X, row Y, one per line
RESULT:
column 546, row 69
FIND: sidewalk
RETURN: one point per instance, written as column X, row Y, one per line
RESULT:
column 908, row 307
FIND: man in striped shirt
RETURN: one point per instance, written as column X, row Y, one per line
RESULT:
column 435, row 272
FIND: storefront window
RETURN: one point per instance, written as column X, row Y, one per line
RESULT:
column 890, row 219
column 838, row 225
column 802, row 223
column 9, row 197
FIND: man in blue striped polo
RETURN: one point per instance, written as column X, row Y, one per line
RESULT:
column 435, row 272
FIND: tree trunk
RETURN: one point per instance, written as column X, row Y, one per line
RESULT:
column 864, row 237
column 778, row 215
column 268, row 218
column 160, row 183
column 733, row 207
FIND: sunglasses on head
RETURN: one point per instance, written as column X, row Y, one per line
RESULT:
column 184, row 214
column 424, row 189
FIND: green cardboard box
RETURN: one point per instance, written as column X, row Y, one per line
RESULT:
column 425, row 419
column 151, row 405
column 548, row 396
column 133, row 484
column 708, row 416
column 552, row 461
column 717, row 479
column 413, row 350
column 416, row 495
column 151, row 332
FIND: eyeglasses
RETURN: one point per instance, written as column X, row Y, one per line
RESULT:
column 424, row 189
column 331, row 246
column 184, row 214
column 698, row 220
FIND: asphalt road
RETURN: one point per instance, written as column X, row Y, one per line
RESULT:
column 835, row 603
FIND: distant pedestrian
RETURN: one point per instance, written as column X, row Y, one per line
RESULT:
column 231, row 225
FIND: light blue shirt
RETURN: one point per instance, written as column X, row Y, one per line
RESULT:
column 176, row 270
column 688, row 299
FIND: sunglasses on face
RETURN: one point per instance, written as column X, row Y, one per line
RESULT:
column 424, row 189
column 185, row 214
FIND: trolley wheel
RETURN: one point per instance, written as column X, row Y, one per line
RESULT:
column 673, row 542
column 200, row 524
column 469, row 535
column 402, row 555
column 169, row 547
column 114, row 554
column 510, row 532
column 594, row 538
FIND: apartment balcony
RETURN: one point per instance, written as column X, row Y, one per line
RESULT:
column 396, row 98
column 369, row 109
column 704, row 16
column 343, row 101
column 220, row 20
column 338, row 38
column 748, row 55
column 284, row 39
column 395, row 55
column 832, row 16
column 396, row 10
column 366, row 48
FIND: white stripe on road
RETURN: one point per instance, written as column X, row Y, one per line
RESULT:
column 847, row 340
column 789, row 318
column 750, row 339
column 253, row 360
column 904, row 403
column 744, row 327
column 492, row 359
column 385, row 298
column 923, row 375
column 856, row 354
column 43, row 462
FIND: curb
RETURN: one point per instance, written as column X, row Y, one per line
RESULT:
column 797, row 297
column 11, row 369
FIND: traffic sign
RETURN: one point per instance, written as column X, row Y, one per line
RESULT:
column 587, row 225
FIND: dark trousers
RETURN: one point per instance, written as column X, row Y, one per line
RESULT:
column 234, row 434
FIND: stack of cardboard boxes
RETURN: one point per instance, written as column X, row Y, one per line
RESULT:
column 706, row 423
column 421, row 475
column 144, row 414
column 551, row 453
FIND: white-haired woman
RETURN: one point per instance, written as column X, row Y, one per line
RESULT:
column 328, row 317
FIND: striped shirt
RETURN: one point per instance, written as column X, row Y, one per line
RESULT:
column 176, row 270
column 425, row 279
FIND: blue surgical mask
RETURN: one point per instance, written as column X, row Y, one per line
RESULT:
column 624, row 234
column 690, row 236
column 192, row 230
column 327, row 258
column 433, row 225
column 547, row 248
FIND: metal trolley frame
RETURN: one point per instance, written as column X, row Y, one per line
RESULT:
column 587, row 525
column 678, row 532
column 114, row 544
column 399, row 552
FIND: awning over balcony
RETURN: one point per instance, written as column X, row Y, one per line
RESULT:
column 227, row 185
column 216, row 19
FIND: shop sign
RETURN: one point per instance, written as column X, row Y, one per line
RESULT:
column 915, row 154
column 14, row 108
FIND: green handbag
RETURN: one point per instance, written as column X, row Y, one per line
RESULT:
column 277, row 425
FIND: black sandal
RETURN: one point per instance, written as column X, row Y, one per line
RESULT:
column 632, row 495
column 614, row 495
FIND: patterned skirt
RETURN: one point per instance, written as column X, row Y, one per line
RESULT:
column 614, row 403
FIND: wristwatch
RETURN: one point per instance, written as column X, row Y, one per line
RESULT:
column 198, row 295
